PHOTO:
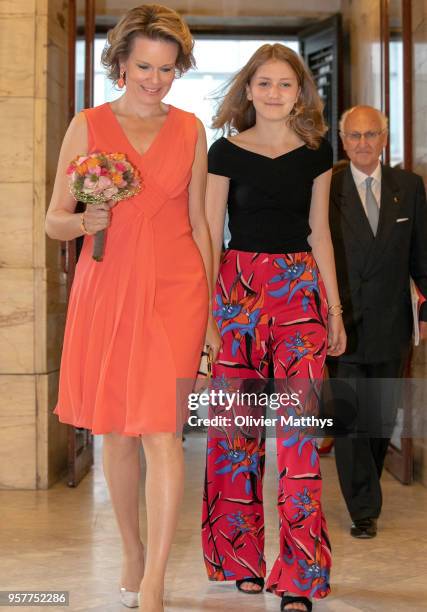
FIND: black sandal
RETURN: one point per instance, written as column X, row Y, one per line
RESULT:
column 254, row 580
column 288, row 599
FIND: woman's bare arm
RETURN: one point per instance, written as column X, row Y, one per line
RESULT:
column 62, row 223
column 323, row 252
column 320, row 237
column 216, row 205
column 201, row 234
column 196, row 203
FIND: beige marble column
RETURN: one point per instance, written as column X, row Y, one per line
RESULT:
column 33, row 110
column 362, row 25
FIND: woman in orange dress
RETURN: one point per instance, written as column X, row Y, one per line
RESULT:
column 137, row 320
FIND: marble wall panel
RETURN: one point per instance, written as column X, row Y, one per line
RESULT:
column 49, row 251
column 52, row 436
column 57, row 23
column 50, row 126
column 42, row 7
column 58, row 435
column 53, row 254
column 56, row 310
column 57, row 69
column 16, row 140
column 17, row 432
column 50, row 309
column 362, row 25
column 39, row 165
column 23, row 7
column 16, row 321
column 33, row 107
column 420, row 86
column 418, row 14
column 16, row 225
column 57, row 89
column 57, row 126
column 40, row 321
column 41, row 57
column 16, row 55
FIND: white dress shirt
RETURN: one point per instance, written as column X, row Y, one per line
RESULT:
column 360, row 178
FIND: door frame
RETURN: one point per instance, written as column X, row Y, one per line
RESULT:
column 80, row 441
column 399, row 461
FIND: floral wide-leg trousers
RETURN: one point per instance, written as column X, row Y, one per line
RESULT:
column 271, row 310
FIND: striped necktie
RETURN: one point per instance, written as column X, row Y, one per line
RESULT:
column 371, row 206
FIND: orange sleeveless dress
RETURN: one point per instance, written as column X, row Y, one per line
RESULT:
column 136, row 321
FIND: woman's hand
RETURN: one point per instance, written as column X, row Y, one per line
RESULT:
column 213, row 337
column 337, row 338
column 97, row 217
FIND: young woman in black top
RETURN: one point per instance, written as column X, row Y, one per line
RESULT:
column 277, row 307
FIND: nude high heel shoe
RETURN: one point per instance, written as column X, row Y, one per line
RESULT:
column 130, row 599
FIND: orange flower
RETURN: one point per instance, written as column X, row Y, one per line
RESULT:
column 116, row 178
column 92, row 162
column 81, row 169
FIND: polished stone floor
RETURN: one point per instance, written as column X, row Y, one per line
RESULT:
column 66, row 539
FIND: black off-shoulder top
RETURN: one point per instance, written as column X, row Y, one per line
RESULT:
column 269, row 199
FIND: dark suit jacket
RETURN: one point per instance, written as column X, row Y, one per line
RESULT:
column 373, row 272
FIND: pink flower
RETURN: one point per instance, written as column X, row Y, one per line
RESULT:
column 89, row 184
column 96, row 186
column 96, row 170
column 104, row 182
column 120, row 167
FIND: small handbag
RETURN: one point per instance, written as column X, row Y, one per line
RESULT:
column 206, row 361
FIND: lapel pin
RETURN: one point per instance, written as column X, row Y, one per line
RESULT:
column 396, row 199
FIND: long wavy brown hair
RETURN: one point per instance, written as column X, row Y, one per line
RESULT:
column 236, row 113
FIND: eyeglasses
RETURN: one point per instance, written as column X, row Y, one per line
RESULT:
column 357, row 136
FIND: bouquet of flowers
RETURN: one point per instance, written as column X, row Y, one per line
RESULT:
column 99, row 178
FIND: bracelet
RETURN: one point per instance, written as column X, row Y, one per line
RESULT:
column 335, row 310
column 83, row 226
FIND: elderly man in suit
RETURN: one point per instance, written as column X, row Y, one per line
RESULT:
column 378, row 219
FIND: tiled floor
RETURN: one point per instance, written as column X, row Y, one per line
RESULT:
column 66, row 539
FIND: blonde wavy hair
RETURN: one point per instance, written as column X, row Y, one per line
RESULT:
column 237, row 113
column 153, row 21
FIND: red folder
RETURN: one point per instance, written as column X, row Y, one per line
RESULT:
column 417, row 300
